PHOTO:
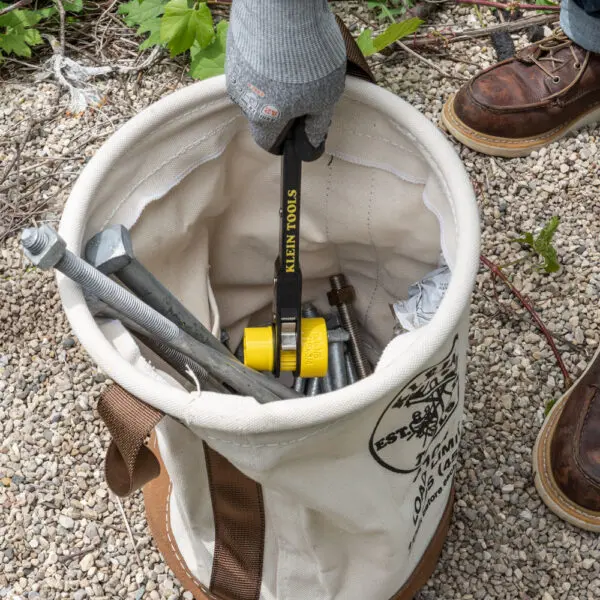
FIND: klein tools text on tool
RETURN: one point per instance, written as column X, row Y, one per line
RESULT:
column 291, row 343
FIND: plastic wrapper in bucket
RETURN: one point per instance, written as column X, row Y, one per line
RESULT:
column 343, row 495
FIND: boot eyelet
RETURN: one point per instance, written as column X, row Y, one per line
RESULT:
column 577, row 65
column 556, row 79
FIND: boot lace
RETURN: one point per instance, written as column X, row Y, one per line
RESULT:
column 548, row 47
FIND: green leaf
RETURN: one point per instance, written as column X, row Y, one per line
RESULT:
column 13, row 41
column 137, row 13
column 365, row 42
column 395, row 32
column 542, row 3
column 151, row 26
column 549, row 406
column 47, row 12
column 147, row 15
column 20, row 18
column 181, row 26
column 32, row 37
column 542, row 244
column 73, row 6
column 526, row 239
column 385, row 12
column 210, row 61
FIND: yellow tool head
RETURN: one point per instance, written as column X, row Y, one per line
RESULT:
column 259, row 349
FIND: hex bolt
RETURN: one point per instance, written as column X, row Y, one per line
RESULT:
column 111, row 252
column 299, row 384
column 335, row 378
column 309, row 311
column 46, row 249
column 350, row 370
column 337, row 363
column 325, row 383
column 313, row 386
column 336, row 372
column 342, row 295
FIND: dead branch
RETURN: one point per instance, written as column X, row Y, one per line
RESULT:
column 510, row 6
column 15, row 6
column 63, row 17
column 497, row 272
column 18, row 149
column 429, row 62
column 434, row 38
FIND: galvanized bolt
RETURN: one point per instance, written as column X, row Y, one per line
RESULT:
column 325, row 384
column 335, row 377
column 342, row 295
column 52, row 253
column 350, row 370
column 337, row 364
column 111, row 252
column 176, row 359
column 299, row 384
column 309, row 311
column 313, row 386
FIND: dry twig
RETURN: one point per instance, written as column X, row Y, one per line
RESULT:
column 63, row 17
column 15, row 6
column 497, row 272
column 18, row 149
column 510, row 6
column 129, row 532
column 428, row 62
column 434, row 38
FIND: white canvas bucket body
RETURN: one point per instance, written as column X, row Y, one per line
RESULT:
column 353, row 484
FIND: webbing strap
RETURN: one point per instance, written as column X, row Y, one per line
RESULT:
column 237, row 500
column 239, row 516
column 129, row 463
column 357, row 63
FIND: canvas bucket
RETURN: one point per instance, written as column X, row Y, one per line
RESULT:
column 341, row 496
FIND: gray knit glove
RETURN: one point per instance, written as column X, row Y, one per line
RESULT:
column 285, row 59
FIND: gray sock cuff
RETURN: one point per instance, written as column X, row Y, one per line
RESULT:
column 291, row 41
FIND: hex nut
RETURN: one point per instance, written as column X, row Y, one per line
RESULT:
column 345, row 295
column 52, row 251
column 110, row 250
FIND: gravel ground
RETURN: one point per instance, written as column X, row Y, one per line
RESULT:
column 62, row 534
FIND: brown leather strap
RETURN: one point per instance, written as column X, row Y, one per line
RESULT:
column 357, row 63
column 129, row 463
column 239, row 530
column 237, row 501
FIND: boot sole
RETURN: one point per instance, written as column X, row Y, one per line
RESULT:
column 551, row 494
column 508, row 147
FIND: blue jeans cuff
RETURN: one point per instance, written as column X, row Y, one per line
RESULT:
column 582, row 28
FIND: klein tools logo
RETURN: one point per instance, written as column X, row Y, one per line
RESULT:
column 405, row 431
column 291, row 223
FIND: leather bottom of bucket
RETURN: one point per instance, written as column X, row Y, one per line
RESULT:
column 156, row 499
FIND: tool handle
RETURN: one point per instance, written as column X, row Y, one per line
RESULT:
column 288, row 276
column 295, row 131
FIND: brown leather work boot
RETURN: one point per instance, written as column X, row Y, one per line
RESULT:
column 566, row 457
column 523, row 103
